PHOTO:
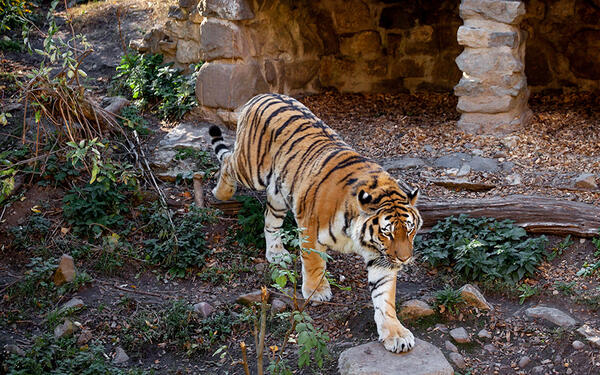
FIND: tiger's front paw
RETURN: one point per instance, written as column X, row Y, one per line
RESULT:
column 397, row 338
column 319, row 294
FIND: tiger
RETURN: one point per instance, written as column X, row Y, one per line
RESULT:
column 341, row 200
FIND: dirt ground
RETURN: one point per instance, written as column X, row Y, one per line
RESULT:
column 561, row 143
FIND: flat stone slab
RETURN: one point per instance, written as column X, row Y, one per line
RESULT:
column 556, row 316
column 373, row 359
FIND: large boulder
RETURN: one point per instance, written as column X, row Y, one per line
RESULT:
column 374, row 359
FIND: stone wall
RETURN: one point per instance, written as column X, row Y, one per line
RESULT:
column 563, row 46
column 304, row 46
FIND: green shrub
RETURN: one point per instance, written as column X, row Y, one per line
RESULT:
column 146, row 79
column 14, row 14
column 92, row 208
column 63, row 356
column 448, row 299
column 181, row 246
column 482, row 248
column 32, row 233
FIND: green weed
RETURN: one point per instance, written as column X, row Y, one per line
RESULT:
column 48, row 355
column 448, row 299
column 482, row 248
column 153, row 84
column 526, row 292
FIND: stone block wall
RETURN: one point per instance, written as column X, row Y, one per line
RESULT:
column 563, row 46
column 304, row 46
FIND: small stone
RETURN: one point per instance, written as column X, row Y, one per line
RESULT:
column 551, row 314
column 586, row 181
column 73, row 303
column 490, row 348
column 569, row 371
column 84, row 337
column 260, row 267
column 474, row 297
column 120, row 356
column 450, row 346
column 514, row 179
column 65, row 273
column 250, row 298
column 464, row 170
column 510, row 141
column 441, row 327
column 14, row 349
column 278, row 306
column 204, row 309
column 578, row 345
column 524, row 361
column 415, row 308
column 458, row 360
column 538, row 370
column 116, row 104
column 373, row 359
column 460, row 335
column 64, row 330
column 484, row 334
column 592, row 335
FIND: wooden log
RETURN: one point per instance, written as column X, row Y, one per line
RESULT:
column 535, row 214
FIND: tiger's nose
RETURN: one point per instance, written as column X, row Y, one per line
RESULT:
column 404, row 258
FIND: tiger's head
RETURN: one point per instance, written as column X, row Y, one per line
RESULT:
column 389, row 224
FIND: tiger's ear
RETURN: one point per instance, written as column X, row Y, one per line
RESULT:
column 413, row 197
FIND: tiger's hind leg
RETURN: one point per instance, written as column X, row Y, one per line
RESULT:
column 274, row 216
column 314, row 283
column 227, row 184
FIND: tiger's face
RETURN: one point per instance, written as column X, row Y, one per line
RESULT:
column 391, row 224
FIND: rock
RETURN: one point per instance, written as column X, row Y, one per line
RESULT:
column 473, row 296
column 278, row 306
column 116, row 104
column 120, row 356
column 538, row 370
column 177, row 13
column 234, row 10
column 586, row 181
column 250, row 298
column 484, row 334
column 464, row 170
column 524, row 361
column 504, row 11
column 510, row 142
column 578, row 345
column 450, row 346
column 452, row 161
column 365, row 44
column 204, row 309
column 187, row 51
column 514, row 179
column 84, row 337
column 414, row 309
column 441, row 327
column 64, row 330
column 592, row 335
column 458, row 360
column 551, row 314
column 65, row 273
column 228, row 85
column 482, row 164
column 460, row 335
column 402, row 163
column 73, row 303
column 220, row 40
column 490, row 348
column 14, row 349
column 374, row 359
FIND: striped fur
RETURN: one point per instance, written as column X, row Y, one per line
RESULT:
column 344, row 201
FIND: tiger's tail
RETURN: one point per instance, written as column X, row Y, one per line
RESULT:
column 219, row 146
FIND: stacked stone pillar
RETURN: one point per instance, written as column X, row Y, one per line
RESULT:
column 493, row 89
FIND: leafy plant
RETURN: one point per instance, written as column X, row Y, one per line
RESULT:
column 131, row 118
column 37, row 290
column 482, row 248
column 180, row 246
column 63, row 356
column 526, row 292
column 202, row 158
column 14, row 14
column 32, row 233
column 589, row 269
column 561, row 247
column 564, row 287
column 251, row 219
column 146, row 79
column 448, row 299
